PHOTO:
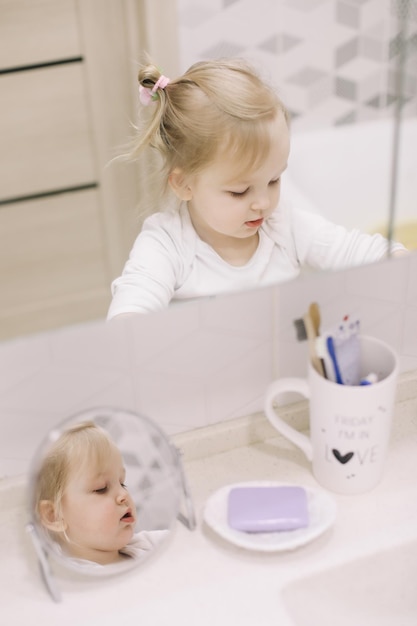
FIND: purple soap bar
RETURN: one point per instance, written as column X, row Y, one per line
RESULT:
column 267, row 509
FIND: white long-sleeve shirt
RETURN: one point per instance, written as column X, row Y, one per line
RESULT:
column 139, row 547
column 170, row 262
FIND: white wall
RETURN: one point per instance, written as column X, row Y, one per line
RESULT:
column 195, row 364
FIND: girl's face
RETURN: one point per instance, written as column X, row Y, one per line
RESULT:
column 226, row 206
column 98, row 513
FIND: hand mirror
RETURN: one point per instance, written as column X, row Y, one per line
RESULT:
column 106, row 487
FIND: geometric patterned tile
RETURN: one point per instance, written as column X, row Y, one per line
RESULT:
column 306, row 76
column 287, row 42
column 279, row 43
column 192, row 16
column 349, row 118
column 348, row 14
column 305, row 5
column 222, row 48
column 346, row 52
column 271, row 44
column 361, row 36
column 345, row 88
column 395, row 45
column 372, row 48
column 381, row 101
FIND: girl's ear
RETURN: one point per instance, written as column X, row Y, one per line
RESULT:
column 49, row 517
column 178, row 184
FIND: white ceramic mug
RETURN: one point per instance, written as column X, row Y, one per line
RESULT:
column 349, row 425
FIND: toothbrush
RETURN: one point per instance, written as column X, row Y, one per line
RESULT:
column 340, row 351
column 347, row 350
column 314, row 311
column 324, row 356
column 306, row 329
column 369, row 380
column 332, row 352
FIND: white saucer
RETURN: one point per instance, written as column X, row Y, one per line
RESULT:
column 321, row 509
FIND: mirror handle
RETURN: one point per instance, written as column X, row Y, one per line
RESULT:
column 45, row 570
column 189, row 519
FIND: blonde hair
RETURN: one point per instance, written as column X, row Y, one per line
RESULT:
column 215, row 106
column 83, row 442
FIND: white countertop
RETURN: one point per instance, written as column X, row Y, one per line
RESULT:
column 197, row 578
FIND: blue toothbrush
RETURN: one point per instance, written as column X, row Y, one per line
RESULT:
column 332, row 353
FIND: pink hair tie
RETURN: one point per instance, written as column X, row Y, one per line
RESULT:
column 146, row 95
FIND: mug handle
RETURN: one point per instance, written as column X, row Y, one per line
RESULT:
column 275, row 389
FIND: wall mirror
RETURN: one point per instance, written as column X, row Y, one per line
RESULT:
column 68, row 71
column 105, row 489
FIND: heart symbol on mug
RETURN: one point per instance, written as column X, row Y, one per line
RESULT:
column 342, row 458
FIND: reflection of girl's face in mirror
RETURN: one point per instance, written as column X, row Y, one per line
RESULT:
column 98, row 511
column 228, row 206
column 82, row 499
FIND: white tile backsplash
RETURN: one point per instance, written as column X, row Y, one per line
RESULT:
column 371, row 283
column 193, row 364
column 411, row 297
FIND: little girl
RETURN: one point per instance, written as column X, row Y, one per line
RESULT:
column 223, row 138
column 83, row 503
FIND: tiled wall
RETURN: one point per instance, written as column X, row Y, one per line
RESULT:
column 332, row 61
column 193, row 364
